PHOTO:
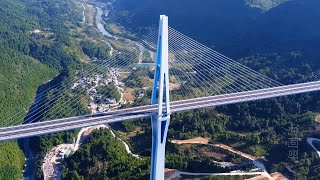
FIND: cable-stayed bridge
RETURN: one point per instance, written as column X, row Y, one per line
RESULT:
column 58, row 125
column 188, row 73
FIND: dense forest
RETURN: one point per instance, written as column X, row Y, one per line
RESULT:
column 186, row 16
column 94, row 50
column 260, row 128
column 28, row 59
column 275, row 38
column 237, row 28
column 20, row 76
column 105, row 158
column 292, row 26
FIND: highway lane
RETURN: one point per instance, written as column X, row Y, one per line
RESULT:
column 178, row 106
column 192, row 107
column 142, row 109
column 186, row 103
column 44, row 123
column 73, row 125
column 246, row 98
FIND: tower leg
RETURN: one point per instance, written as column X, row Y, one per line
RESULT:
column 159, row 136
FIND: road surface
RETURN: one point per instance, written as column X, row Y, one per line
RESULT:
column 40, row 128
column 310, row 141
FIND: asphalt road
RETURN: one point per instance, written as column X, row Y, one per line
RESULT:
column 65, row 124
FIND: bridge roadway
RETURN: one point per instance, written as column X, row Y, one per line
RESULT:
column 65, row 124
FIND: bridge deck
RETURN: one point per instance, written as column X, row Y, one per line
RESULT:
column 65, row 124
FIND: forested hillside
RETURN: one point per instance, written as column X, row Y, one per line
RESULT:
column 279, row 39
column 105, row 158
column 236, row 28
column 209, row 21
column 28, row 59
column 293, row 26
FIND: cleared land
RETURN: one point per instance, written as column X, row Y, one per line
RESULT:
column 198, row 140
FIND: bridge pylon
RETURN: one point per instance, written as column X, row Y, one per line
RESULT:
column 160, row 94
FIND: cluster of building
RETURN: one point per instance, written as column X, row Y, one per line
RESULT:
column 98, row 102
column 52, row 163
column 45, row 33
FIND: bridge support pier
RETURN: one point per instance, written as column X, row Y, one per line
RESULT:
column 160, row 123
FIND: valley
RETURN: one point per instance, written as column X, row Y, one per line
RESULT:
column 93, row 50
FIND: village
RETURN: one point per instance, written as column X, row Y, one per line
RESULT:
column 96, row 87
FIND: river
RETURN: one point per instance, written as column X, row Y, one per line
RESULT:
column 54, row 168
column 100, row 24
column 30, row 155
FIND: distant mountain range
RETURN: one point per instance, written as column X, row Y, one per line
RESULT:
column 293, row 25
column 234, row 26
column 209, row 21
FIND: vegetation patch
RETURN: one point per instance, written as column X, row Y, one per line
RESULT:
column 105, row 157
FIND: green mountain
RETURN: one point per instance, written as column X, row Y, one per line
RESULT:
column 291, row 26
column 210, row 21
column 27, row 60
column 279, row 39
column 230, row 26
column 20, row 76
column 213, row 22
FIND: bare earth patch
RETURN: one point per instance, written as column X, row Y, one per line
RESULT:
column 171, row 174
column 129, row 97
column 198, row 140
column 174, row 86
column 275, row 176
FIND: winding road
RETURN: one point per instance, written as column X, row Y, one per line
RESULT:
column 310, row 141
column 84, row 13
column 205, row 141
column 50, row 166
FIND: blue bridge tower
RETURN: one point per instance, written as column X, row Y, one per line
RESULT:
column 160, row 95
